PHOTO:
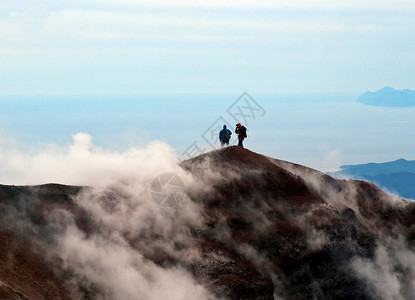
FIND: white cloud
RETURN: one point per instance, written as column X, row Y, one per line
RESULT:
column 66, row 19
column 113, row 259
column 332, row 161
column 79, row 35
column 9, row 29
column 83, row 163
column 136, row 26
column 263, row 4
column 121, row 272
column 389, row 274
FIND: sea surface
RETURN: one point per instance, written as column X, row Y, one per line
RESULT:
column 322, row 131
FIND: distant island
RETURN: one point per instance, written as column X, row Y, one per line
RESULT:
column 397, row 176
column 389, row 97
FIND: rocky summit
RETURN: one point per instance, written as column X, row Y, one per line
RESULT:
column 247, row 227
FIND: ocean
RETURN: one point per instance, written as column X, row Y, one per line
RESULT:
column 322, row 131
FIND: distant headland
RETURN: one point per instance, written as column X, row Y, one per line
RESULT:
column 388, row 97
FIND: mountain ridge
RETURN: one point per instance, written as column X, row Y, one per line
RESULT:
column 397, row 176
column 399, row 165
column 251, row 227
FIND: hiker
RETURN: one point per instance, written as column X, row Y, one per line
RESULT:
column 241, row 132
column 224, row 136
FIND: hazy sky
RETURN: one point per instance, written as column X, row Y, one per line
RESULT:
column 133, row 46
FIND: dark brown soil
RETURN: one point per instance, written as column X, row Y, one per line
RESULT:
column 268, row 208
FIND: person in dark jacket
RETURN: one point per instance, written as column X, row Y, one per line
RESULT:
column 241, row 132
column 224, row 136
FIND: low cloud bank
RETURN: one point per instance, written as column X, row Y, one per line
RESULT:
column 133, row 248
column 83, row 163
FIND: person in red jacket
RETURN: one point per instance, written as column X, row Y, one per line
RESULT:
column 240, row 130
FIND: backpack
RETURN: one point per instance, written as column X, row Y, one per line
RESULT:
column 243, row 132
column 227, row 134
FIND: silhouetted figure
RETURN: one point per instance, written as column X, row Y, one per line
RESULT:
column 241, row 132
column 224, row 136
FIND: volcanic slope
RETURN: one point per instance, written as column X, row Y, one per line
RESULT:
column 249, row 227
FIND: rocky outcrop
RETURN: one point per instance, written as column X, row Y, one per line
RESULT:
column 251, row 227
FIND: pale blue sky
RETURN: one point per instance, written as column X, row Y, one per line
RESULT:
column 135, row 46
column 168, row 69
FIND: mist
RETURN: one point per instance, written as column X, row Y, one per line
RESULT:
column 115, row 255
column 237, row 214
column 83, row 163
